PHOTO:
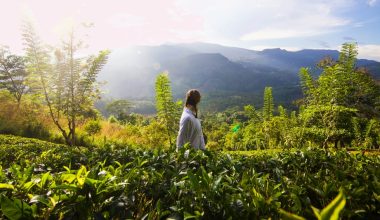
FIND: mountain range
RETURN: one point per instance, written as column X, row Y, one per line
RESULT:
column 226, row 76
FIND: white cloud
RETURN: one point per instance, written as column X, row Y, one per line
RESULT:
column 309, row 26
column 371, row 2
column 247, row 20
column 302, row 23
column 369, row 51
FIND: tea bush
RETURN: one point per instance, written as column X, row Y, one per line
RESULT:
column 43, row 180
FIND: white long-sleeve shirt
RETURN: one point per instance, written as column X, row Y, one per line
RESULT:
column 190, row 130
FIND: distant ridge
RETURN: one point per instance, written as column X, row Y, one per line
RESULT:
column 221, row 73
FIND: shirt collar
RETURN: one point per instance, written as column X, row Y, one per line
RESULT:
column 189, row 111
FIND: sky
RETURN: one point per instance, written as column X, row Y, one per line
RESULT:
column 251, row 24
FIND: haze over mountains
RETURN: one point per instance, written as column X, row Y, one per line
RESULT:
column 226, row 76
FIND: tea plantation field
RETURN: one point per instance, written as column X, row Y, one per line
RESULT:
column 42, row 180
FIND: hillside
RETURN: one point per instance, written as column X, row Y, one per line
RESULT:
column 225, row 75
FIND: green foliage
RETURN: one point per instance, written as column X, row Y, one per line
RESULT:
column 26, row 118
column 347, row 56
column 67, row 82
column 113, row 181
column 57, row 181
column 330, row 212
column 252, row 113
column 307, row 84
column 93, row 127
column 268, row 104
column 342, row 84
column 119, row 108
column 278, row 130
column 112, row 119
column 332, row 122
column 15, row 209
column 366, row 132
column 332, row 102
column 167, row 109
column 13, row 74
column 282, row 111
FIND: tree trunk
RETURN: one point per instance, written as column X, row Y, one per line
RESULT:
column 73, row 134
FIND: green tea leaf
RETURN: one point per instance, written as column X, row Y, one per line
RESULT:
column 289, row 216
column 332, row 210
column 216, row 183
column 27, row 186
column 193, row 180
column 15, row 209
column 40, row 199
column 189, row 216
column 68, row 177
column 44, row 178
column 6, row 186
column 317, row 212
column 81, row 175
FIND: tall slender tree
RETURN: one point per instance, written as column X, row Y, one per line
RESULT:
column 307, row 85
column 67, row 81
column 347, row 57
column 167, row 109
column 268, row 104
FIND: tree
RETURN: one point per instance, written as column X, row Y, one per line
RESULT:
column 326, row 61
column 252, row 114
column 13, row 74
column 167, row 109
column 340, row 93
column 268, row 104
column 347, row 57
column 119, row 108
column 67, row 81
column 343, row 84
column 307, row 85
column 93, row 127
column 282, row 111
